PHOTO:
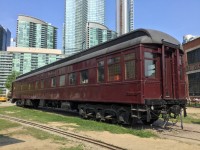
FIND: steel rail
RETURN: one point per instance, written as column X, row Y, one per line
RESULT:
column 62, row 132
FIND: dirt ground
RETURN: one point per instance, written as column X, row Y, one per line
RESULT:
column 168, row 139
column 5, row 104
column 192, row 110
column 24, row 142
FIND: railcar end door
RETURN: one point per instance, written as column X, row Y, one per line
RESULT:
column 169, row 75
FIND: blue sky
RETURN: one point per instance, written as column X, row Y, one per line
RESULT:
column 175, row 17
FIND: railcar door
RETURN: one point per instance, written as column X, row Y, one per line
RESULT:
column 173, row 84
column 168, row 76
column 152, row 74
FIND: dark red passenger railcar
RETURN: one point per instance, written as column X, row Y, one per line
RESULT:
column 138, row 75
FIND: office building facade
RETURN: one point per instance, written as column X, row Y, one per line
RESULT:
column 5, row 36
column 97, row 33
column 125, row 16
column 77, row 14
column 32, row 32
column 192, row 50
column 5, row 68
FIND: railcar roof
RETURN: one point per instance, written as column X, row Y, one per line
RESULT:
column 139, row 36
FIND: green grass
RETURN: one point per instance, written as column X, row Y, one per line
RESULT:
column 4, row 124
column 191, row 119
column 85, row 125
column 79, row 147
column 194, row 105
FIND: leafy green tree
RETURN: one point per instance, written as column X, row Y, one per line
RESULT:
column 10, row 79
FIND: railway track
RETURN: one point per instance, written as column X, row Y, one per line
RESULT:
column 63, row 133
column 175, row 132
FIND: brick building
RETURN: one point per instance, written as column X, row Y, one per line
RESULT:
column 192, row 50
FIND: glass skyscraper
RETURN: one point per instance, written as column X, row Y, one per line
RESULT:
column 32, row 32
column 77, row 14
column 125, row 16
column 96, row 11
column 75, row 25
column 5, row 36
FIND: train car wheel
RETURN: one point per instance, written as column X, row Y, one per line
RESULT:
column 98, row 116
column 122, row 117
column 82, row 113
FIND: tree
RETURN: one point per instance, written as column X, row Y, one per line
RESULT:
column 10, row 79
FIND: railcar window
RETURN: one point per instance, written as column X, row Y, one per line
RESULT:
column 53, row 82
column 150, row 55
column 129, row 66
column 42, row 84
column 29, row 86
column 114, row 69
column 150, row 64
column 113, row 60
column 84, row 77
column 72, row 78
column 129, row 56
column 101, row 71
column 36, row 85
column 62, row 80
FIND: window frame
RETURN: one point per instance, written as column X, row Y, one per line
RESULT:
column 130, row 60
column 64, row 81
column 86, row 80
column 53, row 82
column 42, row 83
column 116, row 77
column 69, row 79
column 36, row 85
column 103, row 69
column 154, row 60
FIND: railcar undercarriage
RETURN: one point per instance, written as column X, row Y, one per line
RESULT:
column 117, row 113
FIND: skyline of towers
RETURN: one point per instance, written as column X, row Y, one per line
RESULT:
column 125, row 16
column 79, row 13
column 33, row 32
column 95, row 10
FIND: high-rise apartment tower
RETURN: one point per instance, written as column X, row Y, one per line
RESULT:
column 125, row 16
column 97, row 33
column 32, row 32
